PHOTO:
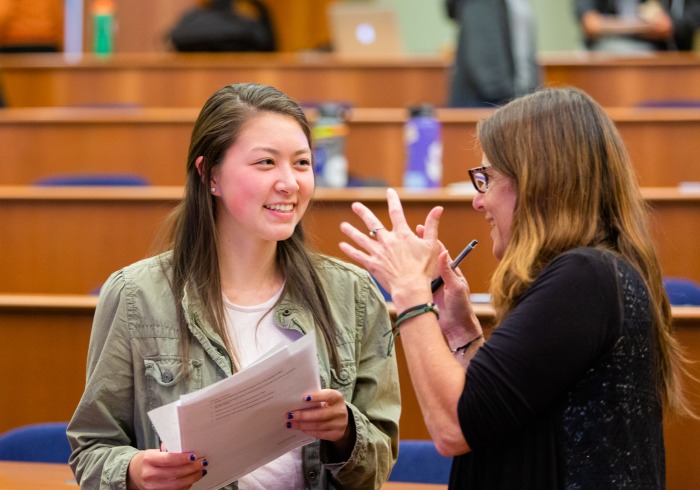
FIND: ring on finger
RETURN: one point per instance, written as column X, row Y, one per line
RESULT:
column 373, row 231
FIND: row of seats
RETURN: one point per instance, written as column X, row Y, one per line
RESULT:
column 152, row 143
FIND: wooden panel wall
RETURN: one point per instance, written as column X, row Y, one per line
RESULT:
column 42, row 363
column 619, row 80
column 68, row 240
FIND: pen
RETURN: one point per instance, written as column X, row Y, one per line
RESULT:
column 437, row 282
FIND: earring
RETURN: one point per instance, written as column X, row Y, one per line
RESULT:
column 213, row 190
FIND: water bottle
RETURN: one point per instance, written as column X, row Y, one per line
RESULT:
column 103, row 27
column 423, row 149
column 329, row 131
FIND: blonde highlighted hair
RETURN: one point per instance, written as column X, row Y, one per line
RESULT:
column 576, row 188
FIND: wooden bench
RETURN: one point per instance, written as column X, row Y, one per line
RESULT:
column 153, row 143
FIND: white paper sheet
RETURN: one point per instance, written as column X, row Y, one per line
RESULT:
column 239, row 424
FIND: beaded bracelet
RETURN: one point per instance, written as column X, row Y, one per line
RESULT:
column 464, row 347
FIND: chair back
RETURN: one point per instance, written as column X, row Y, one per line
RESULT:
column 682, row 292
column 97, row 179
column 420, row 462
column 43, row 443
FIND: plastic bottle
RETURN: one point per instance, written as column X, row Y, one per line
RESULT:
column 103, row 27
column 423, row 138
column 329, row 132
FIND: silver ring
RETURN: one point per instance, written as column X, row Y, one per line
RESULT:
column 373, row 232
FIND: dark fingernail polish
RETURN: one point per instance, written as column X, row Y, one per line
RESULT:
column 289, row 425
column 290, row 415
column 192, row 457
column 204, row 472
column 205, row 462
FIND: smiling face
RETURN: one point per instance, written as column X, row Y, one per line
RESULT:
column 265, row 180
column 498, row 202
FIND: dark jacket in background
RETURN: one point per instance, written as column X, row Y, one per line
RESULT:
column 484, row 67
column 685, row 26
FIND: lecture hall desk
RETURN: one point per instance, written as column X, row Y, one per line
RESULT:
column 58, row 329
column 48, row 476
column 186, row 80
column 152, row 142
column 67, row 240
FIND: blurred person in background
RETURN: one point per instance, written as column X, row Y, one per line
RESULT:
column 496, row 52
column 631, row 25
column 685, row 15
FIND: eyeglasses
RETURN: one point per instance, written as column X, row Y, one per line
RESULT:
column 480, row 178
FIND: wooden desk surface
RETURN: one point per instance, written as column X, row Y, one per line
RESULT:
column 46, row 476
column 35, row 476
column 323, row 194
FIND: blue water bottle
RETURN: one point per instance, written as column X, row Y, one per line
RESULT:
column 423, row 149
column 329, row 131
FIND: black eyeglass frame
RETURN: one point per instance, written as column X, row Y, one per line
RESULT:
column 483, row 173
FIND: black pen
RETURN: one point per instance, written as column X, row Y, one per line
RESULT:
column 435, row 285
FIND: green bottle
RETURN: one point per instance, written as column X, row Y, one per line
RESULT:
column 103, row 27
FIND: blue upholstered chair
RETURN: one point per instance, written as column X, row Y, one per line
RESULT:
column 682, row 291
column 92, row 179
column 45, row 443
column 419, row 462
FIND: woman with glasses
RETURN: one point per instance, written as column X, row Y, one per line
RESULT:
column 568, row 391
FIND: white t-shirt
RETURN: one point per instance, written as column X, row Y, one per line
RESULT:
column 254, row 332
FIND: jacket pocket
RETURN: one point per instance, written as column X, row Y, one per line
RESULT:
column 166, row 379
column 343, row 379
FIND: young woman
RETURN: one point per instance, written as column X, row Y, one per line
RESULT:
column 569, row 388
column 238, row 280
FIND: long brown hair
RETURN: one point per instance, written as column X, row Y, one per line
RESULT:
column 195, row 268
column 576, row 188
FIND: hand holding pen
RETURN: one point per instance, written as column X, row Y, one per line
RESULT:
column 437, row 282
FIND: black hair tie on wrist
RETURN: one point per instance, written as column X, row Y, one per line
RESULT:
column 464, row 347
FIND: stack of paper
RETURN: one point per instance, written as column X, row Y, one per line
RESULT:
column 239, row 423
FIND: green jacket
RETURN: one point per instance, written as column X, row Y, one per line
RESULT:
column 134, row 349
